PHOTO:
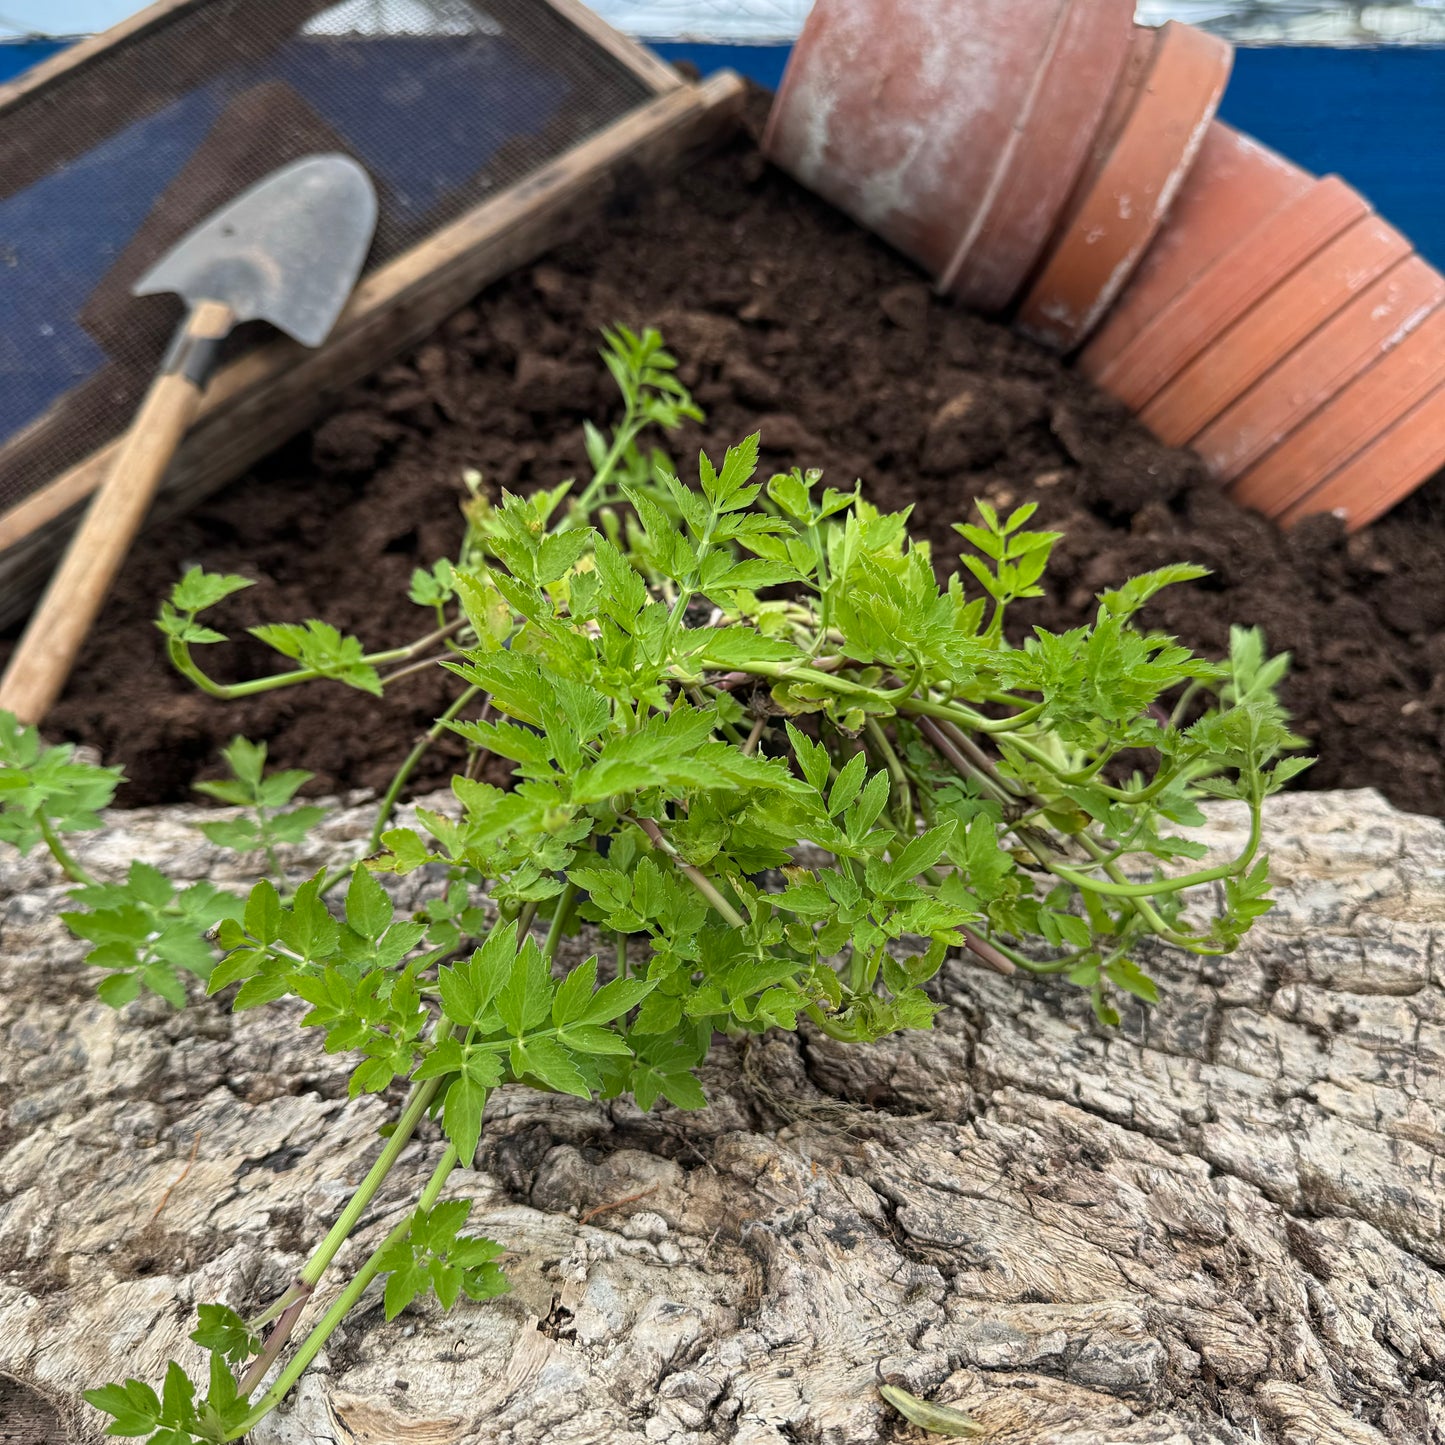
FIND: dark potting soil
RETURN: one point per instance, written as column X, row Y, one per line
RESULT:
column 791, row 321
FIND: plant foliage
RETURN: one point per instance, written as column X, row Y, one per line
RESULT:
column 759, row 747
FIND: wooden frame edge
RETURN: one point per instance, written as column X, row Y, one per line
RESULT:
column 276, row 390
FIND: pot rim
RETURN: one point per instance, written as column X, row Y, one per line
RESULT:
column 1225, row 292
column 1309, row 297
column 1007, row 206
column 1407, row 453
column 1183, row 85
column 1316, row 373
column 1384, row 393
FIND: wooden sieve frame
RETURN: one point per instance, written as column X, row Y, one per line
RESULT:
column 279, row 387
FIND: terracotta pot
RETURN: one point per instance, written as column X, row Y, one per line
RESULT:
column 1120, row 204
column 1230, row 288
column 1378, row 320
column 1234, row 185
column 1281, row 330
column 1385, row 471
column 1305, row 300
column 1042, row 162
column 1288, row 480
column 901, row 112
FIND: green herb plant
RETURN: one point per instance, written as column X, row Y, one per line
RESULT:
column 760, row 752
column 265, row 796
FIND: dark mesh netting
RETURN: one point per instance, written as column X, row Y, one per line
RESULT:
column 445, row 102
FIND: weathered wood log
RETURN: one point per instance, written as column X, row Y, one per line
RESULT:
column 1221, row 1223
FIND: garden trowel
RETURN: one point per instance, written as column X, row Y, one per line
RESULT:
column 287, row 251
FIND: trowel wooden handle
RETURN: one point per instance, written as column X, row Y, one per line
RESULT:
column 41, row 663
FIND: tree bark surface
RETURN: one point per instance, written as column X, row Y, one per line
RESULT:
column 1220, row 1223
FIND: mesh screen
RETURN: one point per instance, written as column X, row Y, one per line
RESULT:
column 445, row 102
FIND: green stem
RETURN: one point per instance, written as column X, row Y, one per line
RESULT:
column 845, row 687
column 409, row 765
column 953, row 745
column 1182, row 706
column 1088, row 776
column 966, row 717
column 343, row 1304
column 1033, row 965
column 559, row 920
column 754, row 737
column 1010, row 790
column 268, row 843
column 61, row 853
column 988, row 953
column 695, row 876
column 701, row 701
column 953, row 753
column 622, row 438
column 902, row 788
column 417, row 1104
column 184, row 663
column 1118, row 887
column 824, row 589
column 1144, row 908
column 688, row 590
column 525, row 914
column 258, row 1369
column 279, row 1306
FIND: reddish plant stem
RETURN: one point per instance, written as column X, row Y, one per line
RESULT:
column 275, row 1343
column 986, row 953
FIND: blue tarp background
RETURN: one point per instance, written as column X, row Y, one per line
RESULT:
column 1375, row 117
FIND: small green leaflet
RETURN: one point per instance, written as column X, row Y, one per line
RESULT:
column 433, row 1254
column 733, row 646
column 199, row 589
column 321, row 648
column 224, row 1331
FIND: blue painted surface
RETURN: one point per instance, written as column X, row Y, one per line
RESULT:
column 1375, row 117
column 760, row 63
column 19, row 55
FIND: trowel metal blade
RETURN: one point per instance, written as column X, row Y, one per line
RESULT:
column 287, row 251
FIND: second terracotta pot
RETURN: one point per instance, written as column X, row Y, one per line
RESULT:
column 1334, row 460
column 959, row 130
column 1235, row 186
column 1067, row 104
column 1144, row 152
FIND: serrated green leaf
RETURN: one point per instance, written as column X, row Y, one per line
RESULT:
column 615, row 999
column 553, row 1065
column 119, row 989
column 200, row 589
column 223, row 1330
column 590, row 1039
column 526, row 998
column 263, row 912
column 574, row 994
column 368, row 905
column 462, row 1117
